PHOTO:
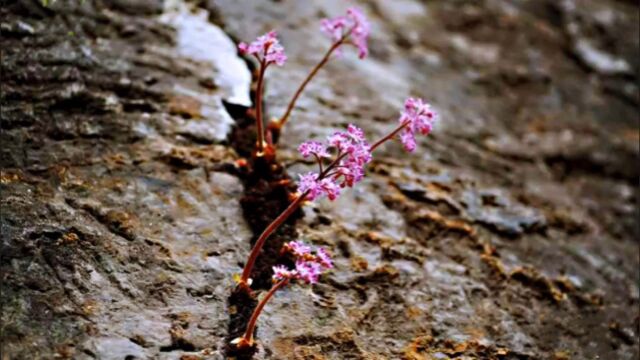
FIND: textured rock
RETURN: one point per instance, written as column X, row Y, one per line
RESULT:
column 510, row 233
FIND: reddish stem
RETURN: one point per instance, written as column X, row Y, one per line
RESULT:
column 389, row 136
column 331, row 166
column 293, row 206
column 246, row 273
column 266, row 233
column 248, row 334
column 319, row 160
column 260, row 130
column 313, row 72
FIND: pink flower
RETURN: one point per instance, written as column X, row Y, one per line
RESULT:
column 334, row 28
column 309, row 148
column 324, row 258
column 350, row 141
column 330, row 188
column 281, row 272
column 420, row 114
column 317, row 188
column 354, row 25
column 408, row 139
column 265, row 47
column 360, row 31
column 309, row 265
column 350, row 172
column 340, row 141
column 355, row 133
column 353, row 143
column 298, row 248
column 419, row 117
column 308, row 271
column 309, row 182
column 354, row 152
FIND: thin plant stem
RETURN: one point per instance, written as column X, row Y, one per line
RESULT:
column 248, row 334
column 313, row 72
column 259, row 124
column 331, row 166
column 266, row 233
column 320, row 167
column 331, row 174
column 389, row 136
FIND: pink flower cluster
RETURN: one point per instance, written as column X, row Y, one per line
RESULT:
column 315, row 148
column 354, row 24
column 419, row 117
column 317, row 187
column 309, row 265
column 358, row 150
column 267, row 48
column 353, row 152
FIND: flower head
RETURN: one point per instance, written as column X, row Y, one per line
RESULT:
column 280, row 272
column 309, row 182
column 419, row 117
column 354, row 153
column 408, row 140
column 358, row 154
column 350, row 141
column 308, row 271
column 316, row 148
column 360, row 31
column 265, row 47
column 354, row 25
column 298, row 248
column 334, row 28
column 318, row 187
column 310, row 264
column 324, row 258
column 350, row 174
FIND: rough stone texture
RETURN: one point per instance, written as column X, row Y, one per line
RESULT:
column 510, row 234
column 120, row 230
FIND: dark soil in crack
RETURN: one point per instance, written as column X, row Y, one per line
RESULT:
column 267, row 193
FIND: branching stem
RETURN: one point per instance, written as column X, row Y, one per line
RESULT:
column 248, row 334
column 259, row 123
column 313, row 73
column 246, row 273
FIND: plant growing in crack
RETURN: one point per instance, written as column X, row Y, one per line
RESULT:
column 267, row 50
column 346, row 167
column 341, row 159
column 310, row 264
column 350, row 29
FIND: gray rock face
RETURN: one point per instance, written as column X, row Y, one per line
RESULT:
column 116, row 218
column 510, row 233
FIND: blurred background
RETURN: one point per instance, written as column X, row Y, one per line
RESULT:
column 511, row 233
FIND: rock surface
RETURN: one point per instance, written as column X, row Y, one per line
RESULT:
column 510, row 234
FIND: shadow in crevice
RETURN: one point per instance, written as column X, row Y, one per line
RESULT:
column 267, row 192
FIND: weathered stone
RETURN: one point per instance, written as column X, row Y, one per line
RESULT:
column 507, row 234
